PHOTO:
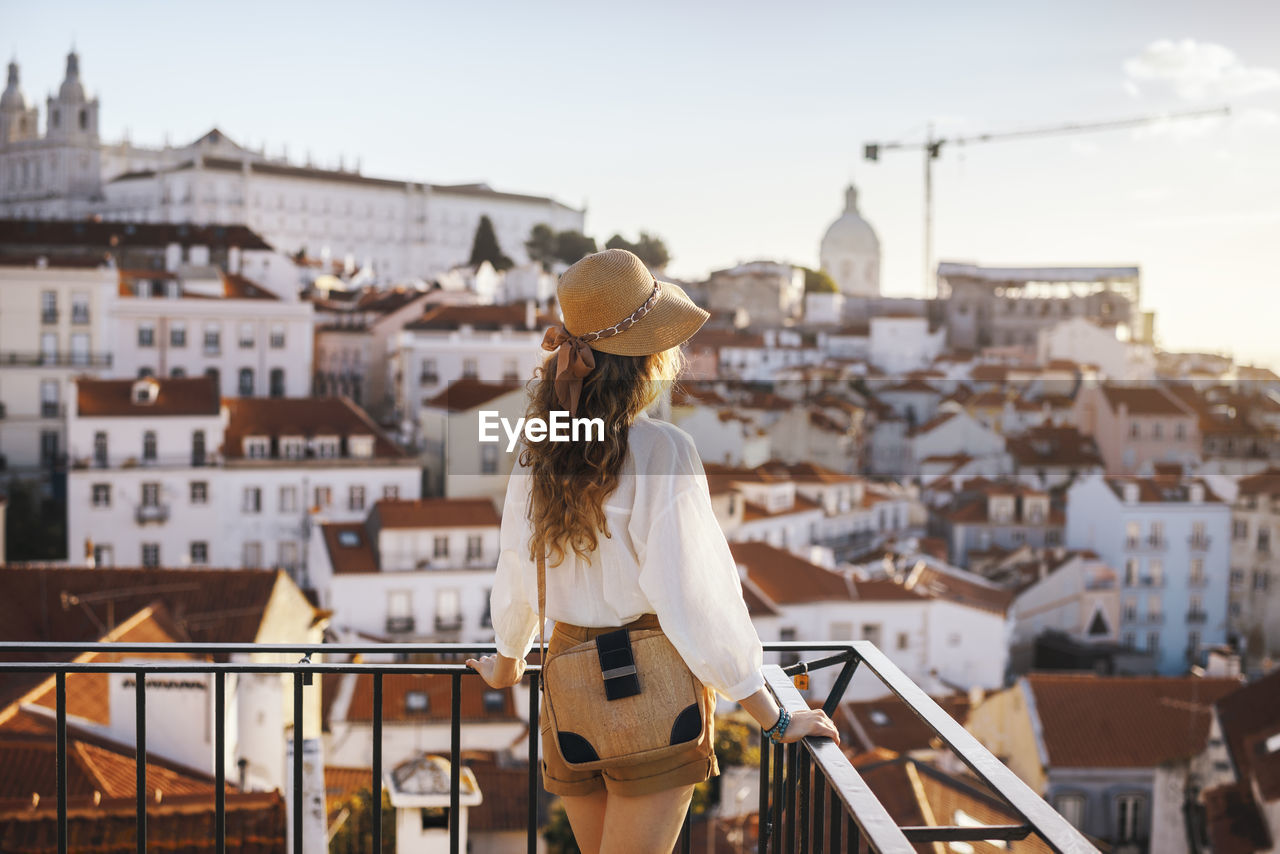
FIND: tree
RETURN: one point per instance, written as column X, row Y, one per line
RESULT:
column 355, row 835
column 572, row 246
column 541, row 245
column 558, row 833
column 819, row 282
column 485, row 247
column 649, row 248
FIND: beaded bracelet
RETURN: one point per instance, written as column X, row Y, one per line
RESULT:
column 776, row 731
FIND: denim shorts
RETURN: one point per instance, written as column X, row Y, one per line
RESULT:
column 695, row 765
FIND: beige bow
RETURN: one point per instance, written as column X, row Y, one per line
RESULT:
column 574, row 361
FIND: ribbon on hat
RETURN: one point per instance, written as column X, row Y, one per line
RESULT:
column 574, row 360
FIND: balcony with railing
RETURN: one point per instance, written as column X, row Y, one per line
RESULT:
column 811, row 798
column 1199, row 542
column 1197, row 617
column 400, row 625
column 54, row 358
column 147, row 514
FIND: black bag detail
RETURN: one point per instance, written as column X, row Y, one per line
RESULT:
column 688, row 725
column 617, row 665
column 575, row 748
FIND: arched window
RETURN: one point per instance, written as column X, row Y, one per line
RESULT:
column 246, row 382
column 277, row 382
column 84, row 119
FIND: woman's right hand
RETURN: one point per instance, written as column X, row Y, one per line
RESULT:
column 810, row 722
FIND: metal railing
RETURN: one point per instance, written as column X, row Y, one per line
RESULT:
column 811, row 797
column 55, row 358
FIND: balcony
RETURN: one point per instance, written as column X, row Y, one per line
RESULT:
column 810, row 797
column 1199, row 542
column 146, row 514
column 1197, row 617
column 49, row 316
column 54, row 358
column 449, row 623
column 400, row 625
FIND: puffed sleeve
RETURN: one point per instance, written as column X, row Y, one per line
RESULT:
column 515, row 622
column 690, row 578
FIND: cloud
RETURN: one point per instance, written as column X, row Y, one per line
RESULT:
column 1084, row 147
column 1132, row 89
column 1198, row 70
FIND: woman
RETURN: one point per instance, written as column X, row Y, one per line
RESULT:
column 631, row 539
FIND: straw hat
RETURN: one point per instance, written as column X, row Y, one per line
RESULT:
column 612, row 303
column 606, row 288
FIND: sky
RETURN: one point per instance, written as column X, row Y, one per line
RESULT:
column 731, row 128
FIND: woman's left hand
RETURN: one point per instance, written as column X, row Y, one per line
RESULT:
column 498, row 670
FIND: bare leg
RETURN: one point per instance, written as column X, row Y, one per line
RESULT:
column 586, row 817
column 645, row 824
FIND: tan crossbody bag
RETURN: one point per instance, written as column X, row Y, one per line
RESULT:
column 624, row 698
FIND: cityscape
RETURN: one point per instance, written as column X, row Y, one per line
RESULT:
column 240, row 394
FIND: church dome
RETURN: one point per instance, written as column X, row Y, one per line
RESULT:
column 850, row 251
column 851, row 233
column 72, row 90
column 12, row 101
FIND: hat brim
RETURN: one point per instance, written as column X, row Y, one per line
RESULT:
column 671, row 322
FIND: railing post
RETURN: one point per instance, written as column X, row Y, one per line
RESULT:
column 535, row 736
column 297, row 762
column 762, row 814
column 377, row 763
column 455, row 756
column 220, row 762
column 61, row 681
column 140, row 764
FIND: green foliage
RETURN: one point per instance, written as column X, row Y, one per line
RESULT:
column 650, row 249
column 36, row 526
column 356, row 833
column 484, row 247
column 819, row 282
column 546, row 246
column 558, row 834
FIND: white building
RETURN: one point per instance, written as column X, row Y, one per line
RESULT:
column 399, row 228
column 204, row 321
column 1169, row 538
column 163, row 472
column 1076, row 595
column 850, row 251
column 1088, row 342
column 900, row 343
column 413, row 570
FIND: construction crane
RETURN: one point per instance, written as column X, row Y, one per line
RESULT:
column 932, row 148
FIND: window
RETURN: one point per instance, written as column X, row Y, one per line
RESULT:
column 277, row 336
column 1264, row 538
column 101, row 495
column 150, row 554
column 326, row 446
column 1071, row 807
column 48, row 447
column 1154, row 606
column 48, row 348
column 1156, row 535
column 100, row 449
column 1153, row 641
column 1157, row 430
column 199, row 492
column 1128, row 820
column 252, row 554
column 177, row 334
column 1131, row 572
column 391, row 491
column 49, row 399
column 1237, row 577
column 448, row 609
column 199, row 552
column 252, row 500
column 246, row 382
column 103, row 555
column 149, row 445
column 49, row 307
column 489, row 458
column 871, row 632
column 293, row 447
column 470, row 369
column 257, row 447
column 277, row 382
column 428, row 374
column 1156, row 570
column 79, row 308
column 416, row 702
column 904, row 640
column 323, row 496
column 1180, row 431
column 246, row 336
column 146, row 334
column 197, row 448
column 440, row 547
column 355, row 498
column 1261, row 581
column 79, row 348
column 1240, row 529
column 473, row 547
column 1130, row 641
column 151, row 494
column 1135, row 432
column 494, row 701
column 216, row 376
column 178, row 373
column 212, row 340
column 288, row 554
column 1197, row 571
column 1196, row 608
column 1130, row 609
column 288, row 499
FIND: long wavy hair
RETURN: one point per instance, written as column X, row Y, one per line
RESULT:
column 570, row 480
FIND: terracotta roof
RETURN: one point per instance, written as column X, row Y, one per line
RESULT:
column 884, row 590
column 209, row 605
column 437, row 689
column 234, row 286
column 36, row 232
column 989, row 373
column 1091, row 721
column 1235, row 823
column 254, row 823
column 787, row 578
column 891, row 724
column 911, row 385
column 1143, row 400
column 434, row 513
column 1246, row 714
column 1263, row 483
column 933, row 423
column 1054, row 445
column 1160, row 488
column 504, row 785
column 479, row 317
column 301, row 416
column 752, row 511
column 184, row 396
column 465, row 395
column 959, row 586
column 350, row 548
column 758, row 604
column 807, row 472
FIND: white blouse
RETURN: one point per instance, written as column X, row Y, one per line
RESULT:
column 666, row 556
